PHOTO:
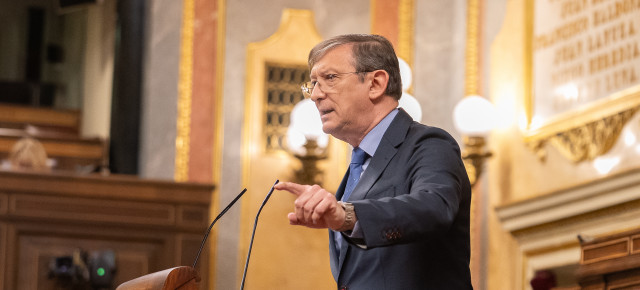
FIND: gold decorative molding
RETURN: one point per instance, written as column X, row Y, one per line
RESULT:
column 185, row 83
column 472, row 57
column 593, row 139
column 406, row 27
column 528, row 62
column 588, row 133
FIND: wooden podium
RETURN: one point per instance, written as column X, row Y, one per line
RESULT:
column 182, row 278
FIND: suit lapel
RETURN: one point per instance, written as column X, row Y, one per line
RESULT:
column 344, row 249
column 336, row 261
column 378, row 163
column 392, row 138
column 333, row 256
column 343, row 184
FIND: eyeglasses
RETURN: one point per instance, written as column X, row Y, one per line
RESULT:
column 327, row 81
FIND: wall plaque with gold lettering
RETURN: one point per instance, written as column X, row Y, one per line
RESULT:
column 583, row 73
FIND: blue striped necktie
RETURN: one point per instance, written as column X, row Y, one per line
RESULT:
column 355, row 170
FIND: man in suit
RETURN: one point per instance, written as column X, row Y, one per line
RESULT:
column 400, row 218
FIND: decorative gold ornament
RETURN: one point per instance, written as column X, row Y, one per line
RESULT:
column 587, row 133
column 590, row 140
column 406, row 24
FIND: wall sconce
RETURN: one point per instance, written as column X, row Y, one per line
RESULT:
column 474, row 117
column 307, row 142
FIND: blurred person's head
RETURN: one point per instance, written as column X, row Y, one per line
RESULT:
column 28, row 154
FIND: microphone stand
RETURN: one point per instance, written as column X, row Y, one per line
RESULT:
column 214, row 222
column 255, row 224
column 183, row 277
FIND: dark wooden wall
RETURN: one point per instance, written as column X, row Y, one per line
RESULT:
column 150, row 225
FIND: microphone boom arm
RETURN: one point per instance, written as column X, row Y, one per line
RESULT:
column 255, row 224
column 214, row 222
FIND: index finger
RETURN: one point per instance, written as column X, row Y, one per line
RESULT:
column 291, row 187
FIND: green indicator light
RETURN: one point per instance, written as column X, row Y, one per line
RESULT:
column 100, row 271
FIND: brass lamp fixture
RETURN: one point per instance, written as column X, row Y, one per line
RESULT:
column 307, row 142
column 474, row 117
column 310, row 173
column 473, row 155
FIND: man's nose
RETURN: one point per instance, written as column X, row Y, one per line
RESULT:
column 317, row 93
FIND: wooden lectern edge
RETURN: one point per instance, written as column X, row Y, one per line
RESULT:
column 183, row 278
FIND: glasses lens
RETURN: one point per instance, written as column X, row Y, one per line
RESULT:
column 307, row 88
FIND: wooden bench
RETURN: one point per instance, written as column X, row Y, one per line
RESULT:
column 67, row 153
column 57, row 130
column 12, row 116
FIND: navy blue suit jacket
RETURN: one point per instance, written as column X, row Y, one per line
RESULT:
column 412, row 204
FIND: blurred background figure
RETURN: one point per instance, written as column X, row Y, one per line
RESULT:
column 29, row 154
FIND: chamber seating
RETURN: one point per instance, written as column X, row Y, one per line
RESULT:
column 58, row 131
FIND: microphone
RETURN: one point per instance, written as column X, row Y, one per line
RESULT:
column 206, row 235
column 255, row 224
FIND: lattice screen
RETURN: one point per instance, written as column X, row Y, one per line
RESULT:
column 283, row 92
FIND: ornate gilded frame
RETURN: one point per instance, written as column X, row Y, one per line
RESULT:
column 581, row 134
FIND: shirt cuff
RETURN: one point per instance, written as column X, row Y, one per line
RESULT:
column 356, row 235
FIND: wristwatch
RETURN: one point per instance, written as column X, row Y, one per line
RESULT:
column 349, row 218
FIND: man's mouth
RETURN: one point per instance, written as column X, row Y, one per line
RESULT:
column 324, row 112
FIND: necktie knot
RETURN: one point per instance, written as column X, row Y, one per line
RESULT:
column 358, row 156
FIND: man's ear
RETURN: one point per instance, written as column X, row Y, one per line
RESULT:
column 379, row 81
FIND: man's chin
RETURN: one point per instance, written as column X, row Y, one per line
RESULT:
column 327, row 129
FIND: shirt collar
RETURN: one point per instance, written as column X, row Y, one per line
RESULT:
column 371, row 141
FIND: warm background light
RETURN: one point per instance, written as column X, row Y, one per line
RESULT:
column 408, row 102
column 405, row 74
column 305, row 124
column 474, row 116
